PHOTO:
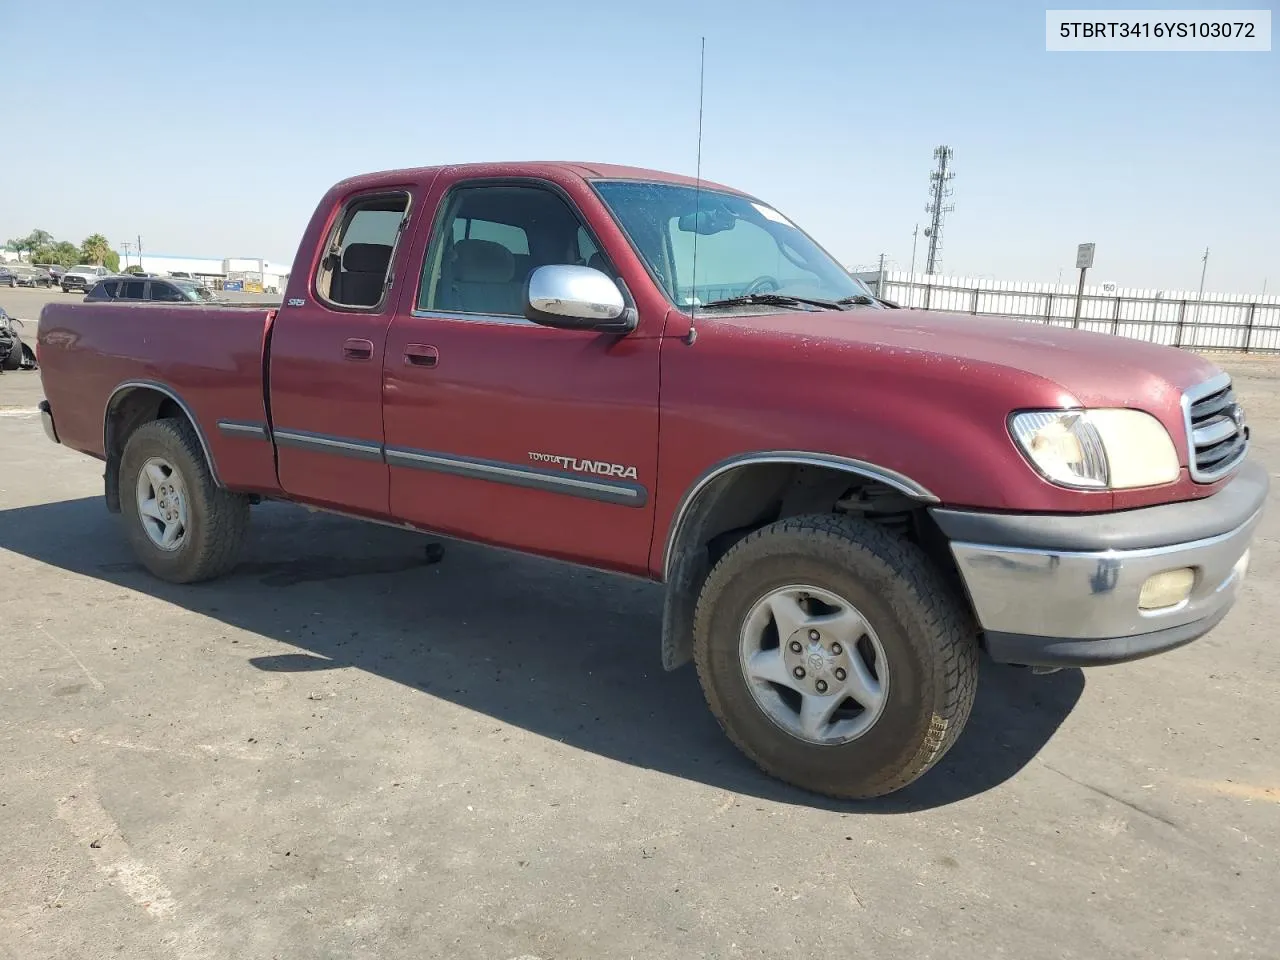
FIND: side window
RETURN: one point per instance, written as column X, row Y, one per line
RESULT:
column 133, row 290
column 355, row 269
column 489, row 241
column 165, row 292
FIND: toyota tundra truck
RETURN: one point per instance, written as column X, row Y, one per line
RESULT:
column 660, row 376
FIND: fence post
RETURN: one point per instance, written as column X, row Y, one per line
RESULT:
column 1115, row 318
column 1248, row 328
column 1182, row 312
column 928, row 295
column 1048, row 309
column 973, row 309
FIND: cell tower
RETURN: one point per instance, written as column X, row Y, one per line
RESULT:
column 939, row 190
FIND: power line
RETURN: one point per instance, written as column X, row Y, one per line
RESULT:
column 939, row 190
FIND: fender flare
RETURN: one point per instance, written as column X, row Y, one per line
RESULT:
column 682, row 571
column 172, row 394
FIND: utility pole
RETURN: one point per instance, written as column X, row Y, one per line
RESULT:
column 124, row 248
column 939, row 189
column 1204, row 266
column 880, row 278
column 140, row 266
column 914, row 233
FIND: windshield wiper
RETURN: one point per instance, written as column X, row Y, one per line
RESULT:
column 773, row 300
column 858, row 299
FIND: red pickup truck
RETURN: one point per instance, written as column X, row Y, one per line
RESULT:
column 667, row 378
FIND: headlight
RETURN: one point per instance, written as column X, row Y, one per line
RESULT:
column 1097, row 449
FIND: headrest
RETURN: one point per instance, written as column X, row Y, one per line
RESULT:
column 482, row 261
column 366, row 258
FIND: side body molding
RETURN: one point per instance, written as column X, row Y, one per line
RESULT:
column 684, row 570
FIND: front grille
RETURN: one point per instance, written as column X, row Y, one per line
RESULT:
column 1216, row 432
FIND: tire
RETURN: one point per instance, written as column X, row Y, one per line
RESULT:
column 922, row 631
column 215, row 520
column 14, row 360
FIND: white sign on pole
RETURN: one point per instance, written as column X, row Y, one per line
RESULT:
column 1084, row 256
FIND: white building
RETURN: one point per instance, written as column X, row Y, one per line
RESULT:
column 272, row 276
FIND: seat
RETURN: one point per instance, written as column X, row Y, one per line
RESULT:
column 364, row 273
column 483, row 279
column 598, row 262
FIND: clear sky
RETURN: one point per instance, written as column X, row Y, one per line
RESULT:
column 212, row 128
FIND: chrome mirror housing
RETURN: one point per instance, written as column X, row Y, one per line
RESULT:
column 573, row 297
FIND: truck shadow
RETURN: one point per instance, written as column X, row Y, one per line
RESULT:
column 566, row 653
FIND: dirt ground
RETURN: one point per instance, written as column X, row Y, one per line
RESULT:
column 343, row 751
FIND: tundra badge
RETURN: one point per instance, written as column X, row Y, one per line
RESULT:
column 599, row 467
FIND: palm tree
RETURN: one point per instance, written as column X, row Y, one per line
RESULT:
column 95, row 249
column 38, row 238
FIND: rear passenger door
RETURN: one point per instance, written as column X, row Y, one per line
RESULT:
column 326, row 360
column 508, row 432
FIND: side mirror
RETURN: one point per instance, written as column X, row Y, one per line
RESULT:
column 570, row 297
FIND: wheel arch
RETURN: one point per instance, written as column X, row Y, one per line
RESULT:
column 130, row 405
column 739, row 494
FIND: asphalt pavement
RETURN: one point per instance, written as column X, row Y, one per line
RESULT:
column 343, row 750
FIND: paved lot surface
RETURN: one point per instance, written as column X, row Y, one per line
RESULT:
column 341, row 751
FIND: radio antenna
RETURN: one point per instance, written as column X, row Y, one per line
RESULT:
column 697, row 200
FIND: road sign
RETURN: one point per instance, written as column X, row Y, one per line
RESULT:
column 1084, row 256
column 1109, row 289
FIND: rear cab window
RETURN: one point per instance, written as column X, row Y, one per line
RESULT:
column 355, row 269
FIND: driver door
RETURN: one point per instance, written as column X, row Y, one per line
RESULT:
column 504, row 431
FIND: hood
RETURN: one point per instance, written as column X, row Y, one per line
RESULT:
column 1095, row 369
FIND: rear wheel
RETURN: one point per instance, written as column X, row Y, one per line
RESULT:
column 835, row 656
column 181, row 525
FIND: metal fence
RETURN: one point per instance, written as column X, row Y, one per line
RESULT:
column 1238, row 322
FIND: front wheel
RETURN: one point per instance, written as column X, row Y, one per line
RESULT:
column 181, row 525
column 834, row 655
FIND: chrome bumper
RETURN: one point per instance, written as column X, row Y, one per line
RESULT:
column 46, row 421
column 1049, row 606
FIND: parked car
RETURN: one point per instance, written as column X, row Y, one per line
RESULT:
column 54, row 270
column 31, row 276
column 139, row 287
column 82, row 277
column 845, row 502
column 7, row 276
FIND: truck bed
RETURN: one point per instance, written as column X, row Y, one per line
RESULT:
column 209, row 358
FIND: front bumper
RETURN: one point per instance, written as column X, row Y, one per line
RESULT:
column 1064, row 590
column 46, row 420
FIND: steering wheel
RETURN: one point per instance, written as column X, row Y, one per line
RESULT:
column 762, row 284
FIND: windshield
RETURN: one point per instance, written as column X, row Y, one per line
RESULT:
column 84, row 268
column 743, row 246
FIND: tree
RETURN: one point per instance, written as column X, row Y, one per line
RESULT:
column 95, row 249
column 62, row 253
column 112, row 261
column 133, row 268
column 34, row 239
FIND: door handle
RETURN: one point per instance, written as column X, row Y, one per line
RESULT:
column 356, row 349
column 421, row 355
